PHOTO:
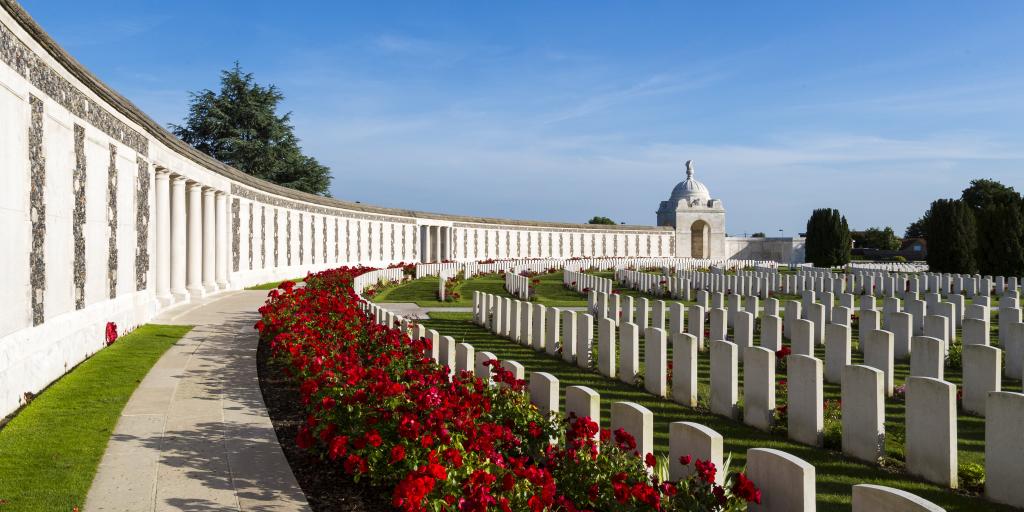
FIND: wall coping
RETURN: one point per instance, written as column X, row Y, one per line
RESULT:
column 128, row 109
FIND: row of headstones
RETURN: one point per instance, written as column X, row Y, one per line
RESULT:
column 433, row 269
column 517, row 285
column 948, row 283
column 787, row 482
column 654, row 284
column 580, row 281
column 930, row 417
column 363, row 281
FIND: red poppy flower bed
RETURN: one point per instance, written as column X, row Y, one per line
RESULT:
column 380, row 410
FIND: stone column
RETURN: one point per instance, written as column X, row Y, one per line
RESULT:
column 435, row 238
column 209, row 240
column 163, row 237
column 179, row 240
column 223, row 242
column 195, row 240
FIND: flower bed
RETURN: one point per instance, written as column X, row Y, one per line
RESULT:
column 385, row 412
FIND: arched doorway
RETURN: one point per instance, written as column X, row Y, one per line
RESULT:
column 700, row 238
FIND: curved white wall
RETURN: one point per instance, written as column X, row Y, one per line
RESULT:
column 107, row 217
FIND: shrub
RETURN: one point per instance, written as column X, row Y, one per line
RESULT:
column 384, row 411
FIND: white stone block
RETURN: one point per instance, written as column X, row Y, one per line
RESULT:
column 642, row 312
column 464, row 358
column 792, row 313
column 638, row 421
column 447, row 353
column 539, row 329
column 569, row 327
column 927, row 358
column 806, row 399
column 517, row 370
column 837, row 352
column 719, row 325
column 552, row 330
column 863, row 413
column 877, row 498
column 696, row 441
column 724, row 373
column 629, row 352
column 684, row 369
column 936, row 326
column 901, row 327
column 1014, row 346
column 930, row 447
column 1004, row 448
column 743, row 329
column 658, row 314
column 606, row 353
column 695, row 325
column 583, row 402
column 982, row 373
column 878, row 354
column 802, row 336
column 544, row 392
column 786, row 481
column 758, row 387
column 479, row 369
column 655, row 361
column 676, row 317
column 584, row 340
column 771, row 332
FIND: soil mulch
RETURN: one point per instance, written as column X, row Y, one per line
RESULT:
column 327, row 487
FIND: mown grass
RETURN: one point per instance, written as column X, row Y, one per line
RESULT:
column 835, row 474
column 274, row 284
column 50, row 450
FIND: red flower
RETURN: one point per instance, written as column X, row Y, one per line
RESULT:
column 111, row 333
column 397, row 453
column 649, row 460
column 746, row 489
column 684, row 460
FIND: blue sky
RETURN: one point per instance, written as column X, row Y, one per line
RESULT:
column 564, row 110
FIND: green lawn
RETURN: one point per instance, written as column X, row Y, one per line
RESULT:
column 835, row 473
column 274, row 284
column 423, row 291
column 50, row 450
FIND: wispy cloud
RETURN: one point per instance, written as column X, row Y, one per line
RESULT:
column 656, row 85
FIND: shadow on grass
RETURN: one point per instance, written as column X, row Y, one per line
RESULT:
column 835, row 474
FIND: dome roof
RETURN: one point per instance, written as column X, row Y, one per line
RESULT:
column 690, row 189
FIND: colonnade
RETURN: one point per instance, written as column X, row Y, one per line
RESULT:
column 191, row 238
column 435, row 244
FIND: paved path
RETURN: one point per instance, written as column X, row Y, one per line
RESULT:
column 195, row 435
column 416, row 312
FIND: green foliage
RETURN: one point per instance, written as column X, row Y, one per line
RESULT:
column 828, row 238
column 984, row 193
column 955, row 358
column 918, row 228
column 758, row 234
column 972, row 477
column 952, row 239
column 999, row 226
column 600, row 220
column 1000, row 235
column 239, row 126
column 877, row 238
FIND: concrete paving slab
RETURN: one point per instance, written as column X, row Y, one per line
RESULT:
column 195, row 435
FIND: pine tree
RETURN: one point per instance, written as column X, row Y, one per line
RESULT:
column 239, row 126
column 828, row 238
column 952, row 237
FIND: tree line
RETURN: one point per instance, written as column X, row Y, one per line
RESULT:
column 980, row 232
